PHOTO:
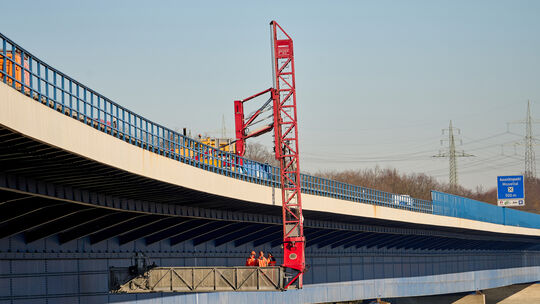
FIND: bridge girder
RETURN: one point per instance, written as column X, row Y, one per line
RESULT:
column 329, row 242
column 65, row 223
column 256, row 235
column 222, row 231
column 245, row 232
column 97, row 225
column 39, row 218
column 125, row 227
column 188, row 235
column 148, row 230
column 181, row 227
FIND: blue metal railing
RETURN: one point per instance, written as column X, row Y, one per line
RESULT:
column 462, row 207
column 36, row 79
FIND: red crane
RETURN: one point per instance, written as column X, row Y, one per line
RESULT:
column 282, row 102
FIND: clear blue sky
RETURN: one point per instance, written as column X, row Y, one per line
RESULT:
column 376, row 80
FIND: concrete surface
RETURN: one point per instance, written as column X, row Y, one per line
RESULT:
column 514, row 294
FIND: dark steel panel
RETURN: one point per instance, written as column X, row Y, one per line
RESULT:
column 258, row 235
column 22, row 207
column 150, row 229
column 224, row 230
column 406, row 240
column 95, row 226
column 176, row 229
column 361, row 241
column 389, row 239
column 64, row 223
column 188, row 235
column 125, row 227
column 245, row 233
column 274, row 238
column 37, row 218
column 322, row 236
column 8, row 197
column 432, row 243
column 352, row 239
column 341, row 237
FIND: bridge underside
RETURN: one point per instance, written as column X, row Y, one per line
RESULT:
column 36, row 218
column 65, row 219
column 46, row 191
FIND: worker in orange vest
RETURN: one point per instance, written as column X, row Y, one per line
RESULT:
column 263, row 262
column 271, row 260
column 251, row 261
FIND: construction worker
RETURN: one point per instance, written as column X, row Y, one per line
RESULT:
column 262, row 261
column 271, row 259
column 251, row 261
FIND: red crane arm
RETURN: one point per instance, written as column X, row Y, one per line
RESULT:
column 285, row 126
column 286, row 139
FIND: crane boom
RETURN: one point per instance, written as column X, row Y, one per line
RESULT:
column 285, row 126
column 286, row 141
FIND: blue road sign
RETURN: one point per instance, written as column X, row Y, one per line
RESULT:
column 510, row 191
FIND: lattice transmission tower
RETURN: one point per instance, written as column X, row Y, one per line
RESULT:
column 529, row 143
column 530, row 161
column 452, row 155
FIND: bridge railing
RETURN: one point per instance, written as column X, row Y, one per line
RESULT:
column 33, row 77
column 462, row 207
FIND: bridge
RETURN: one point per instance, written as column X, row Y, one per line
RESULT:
column 86, row 183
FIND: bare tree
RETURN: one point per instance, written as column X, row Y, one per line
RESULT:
column 260, row 153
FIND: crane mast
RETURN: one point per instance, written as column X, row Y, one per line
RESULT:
column 285, row 127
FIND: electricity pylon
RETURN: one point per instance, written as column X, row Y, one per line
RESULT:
column 530, row 161
column 452, row 155
column 529, row 142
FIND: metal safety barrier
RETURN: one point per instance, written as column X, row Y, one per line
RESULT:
column 38, row 80
column 197, row 279
column 462, row 207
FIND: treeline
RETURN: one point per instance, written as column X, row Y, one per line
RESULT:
column 418, row 185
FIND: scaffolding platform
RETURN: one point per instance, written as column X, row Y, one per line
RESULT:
column 196, row 279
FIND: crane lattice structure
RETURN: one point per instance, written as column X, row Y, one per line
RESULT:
column 282, row 105
column 452, row 155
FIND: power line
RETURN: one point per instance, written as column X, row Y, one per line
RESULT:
column 473, row 141
column 478, row 170
column 478, row 162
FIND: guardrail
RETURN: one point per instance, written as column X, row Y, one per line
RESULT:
column 462, row 207
column 38, row 80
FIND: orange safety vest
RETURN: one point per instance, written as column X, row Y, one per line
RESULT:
column 251, row 261
column 263, row 262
